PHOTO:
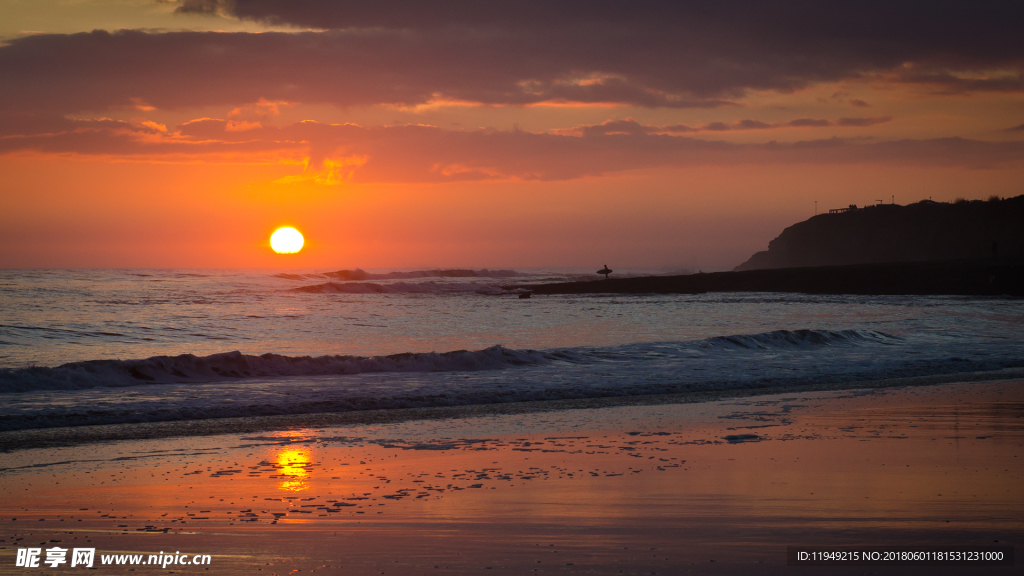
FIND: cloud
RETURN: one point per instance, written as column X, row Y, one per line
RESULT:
column 982, row 27
column 335, row 153
column 808, row 122
column 863, row 121
column 97, row 71
column 656, row 54
column 626, row 126
column 333, row 171
column 744, row 42
column 739, row 125
column 962, row 81
column 631, row 126
column 1019, row 128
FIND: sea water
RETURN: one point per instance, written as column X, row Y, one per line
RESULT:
column 120, row 346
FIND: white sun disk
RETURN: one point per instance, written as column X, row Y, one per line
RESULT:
column 286, row 241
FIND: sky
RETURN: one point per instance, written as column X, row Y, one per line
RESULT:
column 394, row 134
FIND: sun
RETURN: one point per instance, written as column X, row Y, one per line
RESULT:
column 286, row 241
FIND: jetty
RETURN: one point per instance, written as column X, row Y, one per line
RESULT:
column 963, row 278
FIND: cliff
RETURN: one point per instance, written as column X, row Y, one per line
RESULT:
column 923, row 232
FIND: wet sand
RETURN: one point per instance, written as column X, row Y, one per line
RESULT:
column 718, row 487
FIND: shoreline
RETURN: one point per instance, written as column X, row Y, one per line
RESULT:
column 16, row 440
column 714, row 488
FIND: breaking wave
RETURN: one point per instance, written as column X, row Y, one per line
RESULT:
column 803, row 339
column 188, row 368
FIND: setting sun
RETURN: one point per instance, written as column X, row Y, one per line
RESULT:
column 286, row 241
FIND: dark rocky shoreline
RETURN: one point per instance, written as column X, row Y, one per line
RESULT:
column 965, row 278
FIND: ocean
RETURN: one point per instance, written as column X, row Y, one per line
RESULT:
column 80, row 347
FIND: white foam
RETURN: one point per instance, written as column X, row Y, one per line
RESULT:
column 234, row 384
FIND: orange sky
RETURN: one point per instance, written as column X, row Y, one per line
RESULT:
column 676, row 137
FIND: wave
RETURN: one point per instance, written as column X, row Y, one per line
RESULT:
column 803, row 339
column 358, row 274
column 234, row 365
column 188, row 368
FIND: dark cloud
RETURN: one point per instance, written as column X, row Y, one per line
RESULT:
column 751, row 125
column 631, row 126
column 856, row 34
column 863, row 121
column 808, row 122
column 653, row 54
column 947, row 81
column 1016, row 129
column 982, row 29
column 860, row 103
column 100, row 70
column 627, row 126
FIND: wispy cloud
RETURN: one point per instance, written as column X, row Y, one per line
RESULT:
column 412, row 153
column 631, row 126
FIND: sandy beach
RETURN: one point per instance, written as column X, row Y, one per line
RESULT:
column 719, row 487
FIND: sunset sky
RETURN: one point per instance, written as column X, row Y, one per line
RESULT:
column 160, row 133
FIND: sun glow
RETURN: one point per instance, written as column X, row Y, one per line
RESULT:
column 286, row 241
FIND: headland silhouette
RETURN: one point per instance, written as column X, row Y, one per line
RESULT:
column 970, row 248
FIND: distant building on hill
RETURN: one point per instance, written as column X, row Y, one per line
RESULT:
column 850, row 208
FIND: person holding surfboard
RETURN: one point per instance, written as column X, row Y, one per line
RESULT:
column 606, row 271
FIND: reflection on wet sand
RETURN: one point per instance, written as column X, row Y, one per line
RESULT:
column 293, row 464
column 720, row 487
